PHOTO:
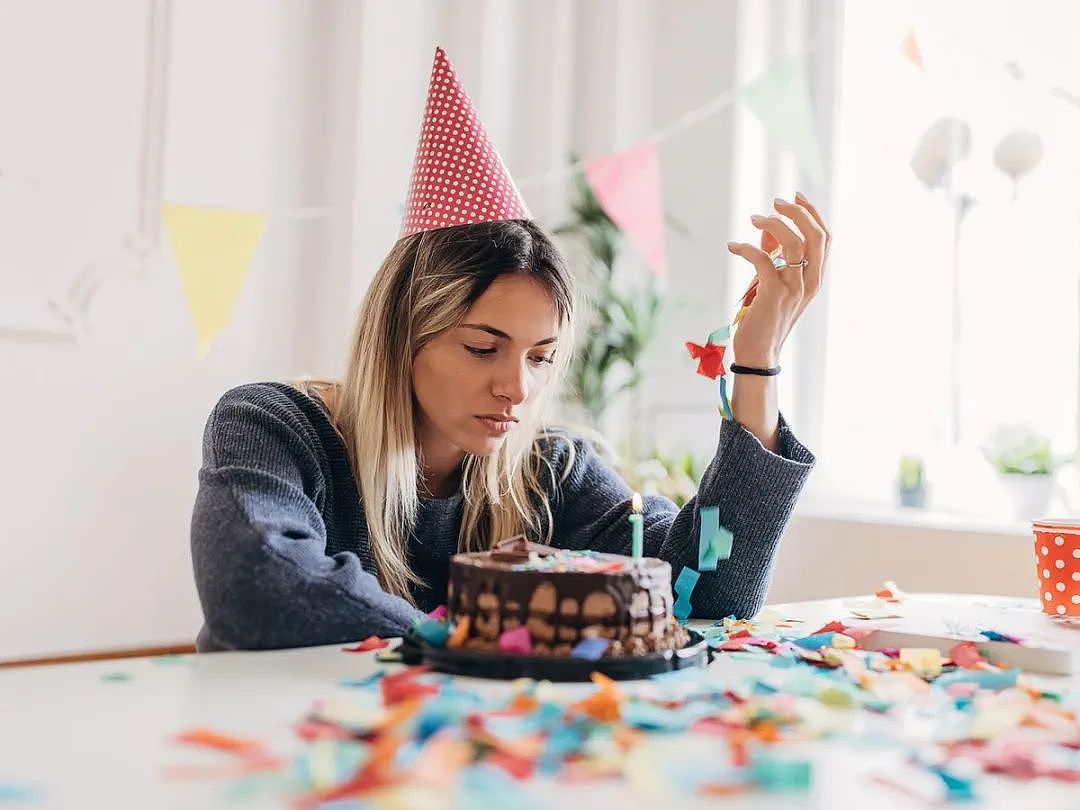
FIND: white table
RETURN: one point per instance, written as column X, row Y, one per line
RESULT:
column 86, row 741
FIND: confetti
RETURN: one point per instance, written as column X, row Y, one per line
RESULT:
column 368, row 644
column 410, row 737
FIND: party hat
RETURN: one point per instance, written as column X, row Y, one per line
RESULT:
column 458, row 177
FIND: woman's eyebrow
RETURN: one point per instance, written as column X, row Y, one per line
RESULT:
column 499, row 333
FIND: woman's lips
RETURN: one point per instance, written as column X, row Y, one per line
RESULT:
column 495, row 425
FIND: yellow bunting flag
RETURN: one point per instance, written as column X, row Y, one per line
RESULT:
column 213, row 248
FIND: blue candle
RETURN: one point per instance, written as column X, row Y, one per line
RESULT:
column 637, row 542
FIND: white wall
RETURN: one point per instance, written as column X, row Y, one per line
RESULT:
column 824, row 556
column 101, row 438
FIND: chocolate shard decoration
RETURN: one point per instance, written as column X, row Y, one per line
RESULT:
column 518, row 549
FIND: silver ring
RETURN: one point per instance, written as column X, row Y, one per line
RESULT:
column 780, row 263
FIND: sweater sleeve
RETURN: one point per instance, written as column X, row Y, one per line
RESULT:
column 258, row 539
column 754, row 489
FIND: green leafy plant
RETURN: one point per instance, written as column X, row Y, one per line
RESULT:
column 673, row 476
column 911, row 472
column 1018, row 449
column 623, row 319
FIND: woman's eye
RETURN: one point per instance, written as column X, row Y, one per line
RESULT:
column 479, row 352
column 544, row 360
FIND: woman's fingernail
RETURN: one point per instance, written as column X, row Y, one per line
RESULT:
column 779, row 201
column 757, row 219
column 731, row 246
column 799, row 195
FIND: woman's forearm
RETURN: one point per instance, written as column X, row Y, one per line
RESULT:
column 754, row 405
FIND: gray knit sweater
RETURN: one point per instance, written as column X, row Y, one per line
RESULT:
column 280, row 546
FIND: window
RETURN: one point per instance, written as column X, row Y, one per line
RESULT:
column 897, row 338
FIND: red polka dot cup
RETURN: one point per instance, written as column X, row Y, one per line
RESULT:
column 1057, row 562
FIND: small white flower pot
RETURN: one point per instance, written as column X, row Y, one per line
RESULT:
column 1031, row 495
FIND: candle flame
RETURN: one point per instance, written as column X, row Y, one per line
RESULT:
column 635, row 503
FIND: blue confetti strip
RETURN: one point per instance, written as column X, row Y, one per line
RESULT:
column 718, row 336
column 725, row 405
column 986, row 679
column 815, row 642
column 590, row 648
column 714, row 541
column 433, row 631
column 957, row 789
column 16, row 793
column 684, row 586
column 776, row 774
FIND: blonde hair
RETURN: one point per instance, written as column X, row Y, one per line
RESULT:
column 424, row 287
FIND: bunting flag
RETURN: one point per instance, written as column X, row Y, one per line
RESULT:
column 780, row 98
column 627, row 186
column 213, row 249
column 910, row 49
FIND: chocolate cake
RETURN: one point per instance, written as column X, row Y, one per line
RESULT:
column 562, row 597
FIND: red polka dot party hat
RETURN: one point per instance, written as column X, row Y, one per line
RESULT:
column 458, row 177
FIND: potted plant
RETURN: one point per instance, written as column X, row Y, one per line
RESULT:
column 673, row 476
column 911, row 482
column 1025, row 466
column 622, row 318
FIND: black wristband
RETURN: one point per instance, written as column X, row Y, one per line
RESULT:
column 761, row 372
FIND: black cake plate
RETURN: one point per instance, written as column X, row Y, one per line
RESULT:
column 470, row 663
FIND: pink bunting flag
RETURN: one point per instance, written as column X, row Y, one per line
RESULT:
column 627, row 186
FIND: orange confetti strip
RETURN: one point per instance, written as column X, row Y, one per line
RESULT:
column 627, row 737
column 461, row 632
column 376, row 772
column 242, row 766
column 399, row 713
column 603, row 704
column 721, row 789
column 208, row 738
column 440, row 761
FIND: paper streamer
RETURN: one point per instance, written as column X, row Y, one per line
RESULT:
column 710, row 359
column 684, row 586
column 725, row 403
column 719, row 336
column 714, row 541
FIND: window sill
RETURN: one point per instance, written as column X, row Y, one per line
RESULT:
column 820, row 508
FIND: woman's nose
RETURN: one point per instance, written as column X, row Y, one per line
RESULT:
column 513, row 385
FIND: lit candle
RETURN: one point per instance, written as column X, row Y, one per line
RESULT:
column 637, row 544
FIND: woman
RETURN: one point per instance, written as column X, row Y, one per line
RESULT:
column 329, row 513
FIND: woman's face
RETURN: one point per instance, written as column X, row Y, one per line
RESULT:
column 475, row 381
